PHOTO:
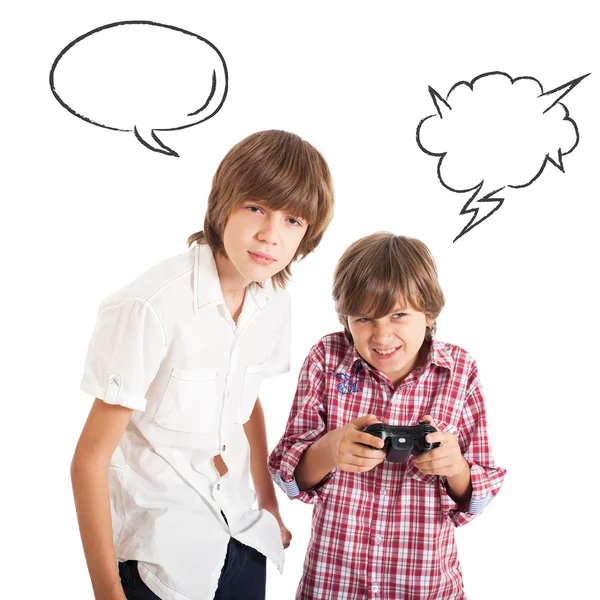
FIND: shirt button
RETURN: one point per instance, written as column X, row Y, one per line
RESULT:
column 383, row 491
column 223, row 448
column 375, row 588
column 378, row 539
column 218, row 486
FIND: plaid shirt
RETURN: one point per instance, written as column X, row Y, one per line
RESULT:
column 387, row 533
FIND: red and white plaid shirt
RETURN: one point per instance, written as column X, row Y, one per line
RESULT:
column 387, row 533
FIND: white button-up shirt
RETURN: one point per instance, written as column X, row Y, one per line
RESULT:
column 167, row 347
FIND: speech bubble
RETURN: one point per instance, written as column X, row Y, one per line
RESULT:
column 143, row 77
column 496, row 132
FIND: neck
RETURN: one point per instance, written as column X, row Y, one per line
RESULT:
column 233, row 285
column 420, row 360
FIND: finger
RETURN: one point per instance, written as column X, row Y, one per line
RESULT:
column 434, row 454
column 286, row 537
column 364, row 461
column 362, row 452
column 430, row 420
column 357, row 462
column 367, row 439
column 360, row 448
column 364, row 421
column 438, row 436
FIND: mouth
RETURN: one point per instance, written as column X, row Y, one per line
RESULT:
column 261, row 259
column 385, row 354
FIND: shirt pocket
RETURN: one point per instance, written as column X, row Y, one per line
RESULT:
column 253, row 376
column 189, row 404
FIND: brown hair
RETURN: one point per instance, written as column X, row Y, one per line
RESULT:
column 378, row 270
column 283, row 172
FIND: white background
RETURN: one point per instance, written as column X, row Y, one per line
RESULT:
column 85, row 210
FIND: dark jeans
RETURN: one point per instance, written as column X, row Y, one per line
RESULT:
column 243, row 577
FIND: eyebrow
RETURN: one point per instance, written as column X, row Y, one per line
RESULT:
column 395, row 310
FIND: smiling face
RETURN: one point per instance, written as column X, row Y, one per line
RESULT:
column 260, row 241
column 392, row 344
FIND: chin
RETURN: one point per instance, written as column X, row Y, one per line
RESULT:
column 258, row 275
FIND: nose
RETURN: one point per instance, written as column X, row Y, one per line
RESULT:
column 382, row 332
column 270, row 230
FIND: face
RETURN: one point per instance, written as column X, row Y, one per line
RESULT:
column 261, row 242
column 391, row 344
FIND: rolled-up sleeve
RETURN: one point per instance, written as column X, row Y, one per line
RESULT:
column 124, row 353
column 306, row 424
column 486, row 476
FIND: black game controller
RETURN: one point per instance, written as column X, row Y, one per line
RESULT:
column 400, row 442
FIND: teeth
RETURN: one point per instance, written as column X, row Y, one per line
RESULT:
column 386, row 351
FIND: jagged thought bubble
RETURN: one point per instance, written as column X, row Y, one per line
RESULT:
column 496, row 132
column 141, row 76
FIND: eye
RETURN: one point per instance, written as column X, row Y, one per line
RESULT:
column 362, row 320
column 398, row 315
column 295, row 222
column 255, row 209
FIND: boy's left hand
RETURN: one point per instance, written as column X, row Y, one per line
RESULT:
column 447, row 459
column 286, row 535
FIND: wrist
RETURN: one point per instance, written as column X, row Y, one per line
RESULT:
column 462, row 477
column 459, row 485
column 268, row 501
column 273, row 509
column 270, row 504
column 330, row 442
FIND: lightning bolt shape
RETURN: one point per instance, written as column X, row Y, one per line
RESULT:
column 486, row 207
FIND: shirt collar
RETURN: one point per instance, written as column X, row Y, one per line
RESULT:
column 351, row 358
column 207, row 287
column 438, row 355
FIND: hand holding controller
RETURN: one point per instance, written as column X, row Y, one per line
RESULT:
column 402, row 441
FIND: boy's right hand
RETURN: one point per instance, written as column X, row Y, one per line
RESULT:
column 355, row 451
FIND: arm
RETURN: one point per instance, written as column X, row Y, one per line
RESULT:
column 465, row 492
column 459, row 486
column 306, row 424
column 315, row 463
column 263, row 484
column 344, row 448
column 447, row 460
column 89, row 475
column 307, row 457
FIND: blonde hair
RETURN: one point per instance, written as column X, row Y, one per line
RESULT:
column 379, row 270
column 283, row 172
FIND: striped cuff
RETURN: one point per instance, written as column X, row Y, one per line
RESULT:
column 476, row 505
column 289, row 487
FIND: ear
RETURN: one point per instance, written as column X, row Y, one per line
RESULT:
column 429, row 320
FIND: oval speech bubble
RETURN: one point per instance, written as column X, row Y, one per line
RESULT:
column 141, row 76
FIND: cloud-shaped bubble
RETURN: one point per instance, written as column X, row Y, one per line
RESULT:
column 141, row 76
column 496, row 132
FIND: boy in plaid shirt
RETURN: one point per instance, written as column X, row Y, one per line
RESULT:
column 383, row 529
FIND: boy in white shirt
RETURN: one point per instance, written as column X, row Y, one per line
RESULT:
column 175, row 364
